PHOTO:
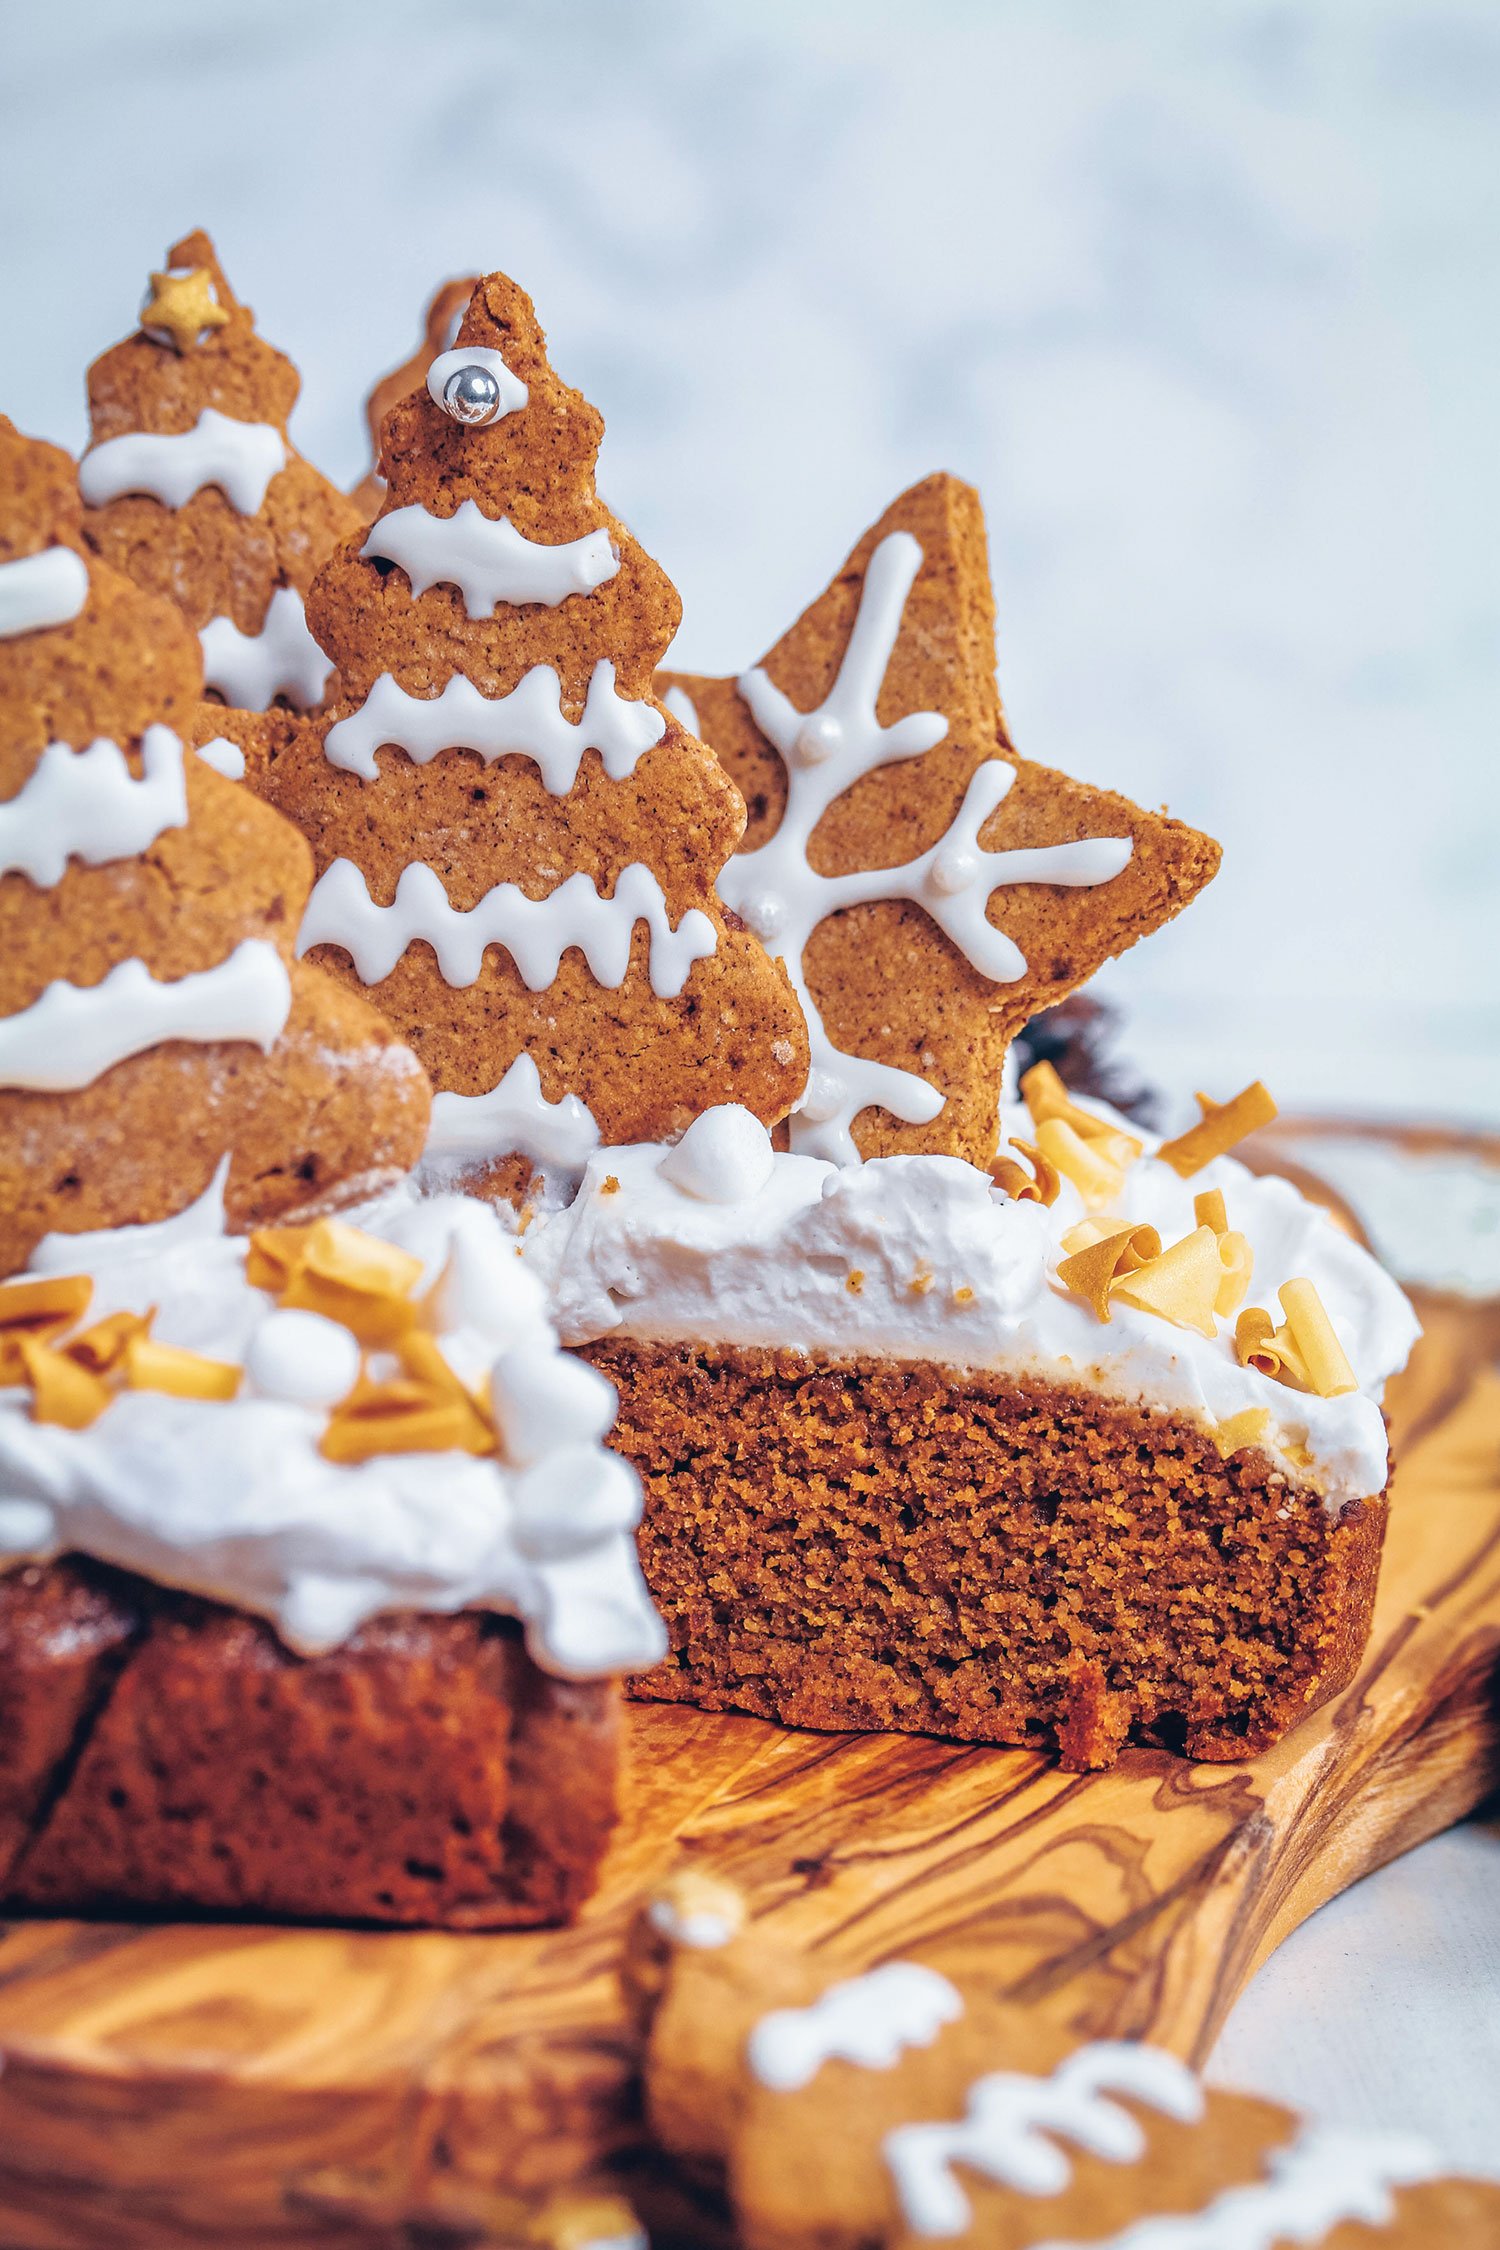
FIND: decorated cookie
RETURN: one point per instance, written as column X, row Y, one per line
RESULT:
column 928, row 890
column 516, row 844
column 903, row 2106
column 154, row 1021
column 195, row 491
column 445, row 309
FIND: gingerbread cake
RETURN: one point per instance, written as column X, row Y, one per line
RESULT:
column 316, row 1575
column 908, row 2105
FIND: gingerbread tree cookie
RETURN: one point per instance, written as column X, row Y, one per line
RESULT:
column 928, row 889
column 906, row 2105
column 445, row 309
column 196, row 492
column 516, row 844
column 153, row 1018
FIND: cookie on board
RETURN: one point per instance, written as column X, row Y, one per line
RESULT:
column 445, row 309
column 153, row 1018
column 516, row 844
column 902, row 2105
column 195, row 491
column 929, row 889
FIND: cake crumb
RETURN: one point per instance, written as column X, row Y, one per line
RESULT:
column 920, row 1282
column 856, row 1282
column 963, row 1295
column 609, row 1185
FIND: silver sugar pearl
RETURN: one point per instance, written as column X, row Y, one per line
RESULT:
column 472, row 396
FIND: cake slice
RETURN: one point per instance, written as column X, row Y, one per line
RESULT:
column 900, row 1474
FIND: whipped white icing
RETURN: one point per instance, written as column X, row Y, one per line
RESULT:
column 922, row 1257
column 233, row 1500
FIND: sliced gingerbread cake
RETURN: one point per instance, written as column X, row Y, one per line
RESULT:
column 315, row 1576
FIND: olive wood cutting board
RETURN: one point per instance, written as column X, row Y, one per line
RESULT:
column 171, row 2085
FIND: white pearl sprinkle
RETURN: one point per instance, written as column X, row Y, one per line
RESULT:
column 819, row 738
column 953, row 871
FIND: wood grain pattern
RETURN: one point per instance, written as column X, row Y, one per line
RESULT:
column 177, row 2085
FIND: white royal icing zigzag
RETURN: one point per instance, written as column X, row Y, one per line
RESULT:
column 239, row 457
column 41, row 590
column 251, row 669
column 74, row 1033
column 515, row 1117
column 88, row 805
column 870, row 2020
column 488, row 561
column 781, row 897
column 1321, row 2180
column 529, row 722
column 536, row 933
column 683, row 709
column 513, row 392
column 224, row 756
column 1013, row 2123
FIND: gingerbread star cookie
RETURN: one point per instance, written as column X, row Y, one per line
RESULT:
column 516, row 842
column 928, row 889
column 195, row 491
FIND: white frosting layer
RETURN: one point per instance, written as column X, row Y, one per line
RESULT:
column 529, row 722
column 239, row 457
column 514, row 1117
column 76, row 1032
column 251, row 669
column 489, row 562
column 1016, row 2130
column 41, row 590
column 234, row 1500
column 921, row 1257
column 783, row 897
column 88, row 805
column 535, row 932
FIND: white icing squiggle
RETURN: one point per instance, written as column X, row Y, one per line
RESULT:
column 251, row 669
column 783, row 899
column 241, row 458
column 953, row 1270
column 536, row 933
column 489, row 562
column 514, row 1118
column 1323, row 2180
column 233, row 1499
column 870, row 2020
column 224, row 756
column 74, row 1033
column 683, row 709
column 1013, row 2124
column 41, row 590
column 88, row 805
column 529, row 722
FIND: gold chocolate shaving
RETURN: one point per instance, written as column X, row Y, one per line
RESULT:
column 62, row 1392
column 1209, row 1211
column 1182, row 1285
column 1248, row 1427
column 171, row 1368
column 1238, row 1260
column 1038, row 1186
column 41, row 1310
column 1219, row 1128
column 1094, row 1268
column 1046, row 1096
column 1270, row 1350
column 1097, row 1177
column 1322, row 1355
column 337, row 1270
column 427, row 1408
column 102, row 1348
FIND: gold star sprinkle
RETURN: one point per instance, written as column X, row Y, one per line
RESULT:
column 181, row 308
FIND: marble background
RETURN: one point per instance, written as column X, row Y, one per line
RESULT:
column 1201, row 296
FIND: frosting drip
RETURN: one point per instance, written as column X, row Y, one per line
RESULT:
column 782, row 897
column 234, row 1501
column 489, row 562
column 88, row 805
column 870, row 2020
column 224, row 756
column 952, row 1270
column 528, row 722
column 74, row 1033
column 240, row 458
column 41, row 590
column 536, row 933
column 1013, row 2124
column 251, row 669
